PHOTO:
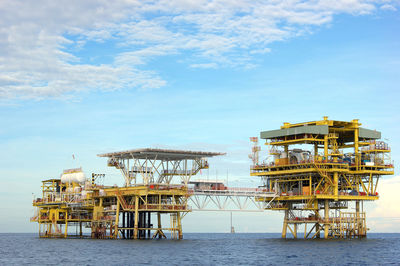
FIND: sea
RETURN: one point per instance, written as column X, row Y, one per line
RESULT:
column 201, row 249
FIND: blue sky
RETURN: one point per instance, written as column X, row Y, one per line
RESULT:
column 95, row 78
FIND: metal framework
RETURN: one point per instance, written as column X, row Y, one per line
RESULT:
column 313, row 188
column 155, row 185
column 230, row 199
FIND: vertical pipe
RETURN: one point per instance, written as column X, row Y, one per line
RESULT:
column 146, row 222
column 317, row 216
column 141, row 223
column 180, row 235
column 149, row 225
column 336, row 185
column 116, row 220
column 358, row 218
column 66, row 224
column 123, row 224
column 356, row 131
column 286, row 148
column 135, row 232
column 315, row 151
column 326, row 147
column 129, row 224
column 126, row 225
column 132, row 224
column 127, row 221
column 159, row 223
column 285, row 224
column 326, row 214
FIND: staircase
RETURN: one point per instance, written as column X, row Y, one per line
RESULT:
column 123, row 202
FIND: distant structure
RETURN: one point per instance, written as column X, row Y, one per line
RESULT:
column 71, row 202
column 232, row 228
column 316, row 187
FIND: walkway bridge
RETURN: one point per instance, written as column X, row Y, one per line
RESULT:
column 229, row 199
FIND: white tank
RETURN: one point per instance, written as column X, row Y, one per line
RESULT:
column 78, row 177
column 65, row 178
column 283, row 155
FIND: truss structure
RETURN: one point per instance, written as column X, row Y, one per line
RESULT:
column 344, row 166
column 155, row 186
column 231, row 199
column 146, row 166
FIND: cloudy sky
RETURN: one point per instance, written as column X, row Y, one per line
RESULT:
column 85, row 77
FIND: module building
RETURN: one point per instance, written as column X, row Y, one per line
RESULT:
column 318, row 171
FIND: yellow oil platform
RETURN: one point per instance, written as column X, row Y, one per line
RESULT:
column 72, row 204
column 317, row 187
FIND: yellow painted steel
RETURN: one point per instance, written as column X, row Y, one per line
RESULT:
column 116, row 212
column 95, row 209
column 347, row 171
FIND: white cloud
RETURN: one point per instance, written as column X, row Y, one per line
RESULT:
column 38, row 39
column 388, row 7
column 206, row 65
column 385, row 213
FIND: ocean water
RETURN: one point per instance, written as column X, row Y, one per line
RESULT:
column 200, row 249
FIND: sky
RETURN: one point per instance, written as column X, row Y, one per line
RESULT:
column 87, row 77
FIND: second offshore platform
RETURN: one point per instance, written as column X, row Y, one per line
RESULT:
column 315, row 172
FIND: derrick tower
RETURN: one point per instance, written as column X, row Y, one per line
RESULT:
column 319, row 169
column 155, row 185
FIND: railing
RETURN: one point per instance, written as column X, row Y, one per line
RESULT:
column 341, row 193
column 64, row 197
column 165, row 186
column 376, row 145
column 232, row 189
column 337, row 164
column 305, row 162
column 181, row 207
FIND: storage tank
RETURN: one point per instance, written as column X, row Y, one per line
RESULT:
column 77, row 177
column 65, row 178
column 80, row 177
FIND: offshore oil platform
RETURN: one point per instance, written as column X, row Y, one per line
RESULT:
column 311, row 187
column 317, row 187
column 124, row 212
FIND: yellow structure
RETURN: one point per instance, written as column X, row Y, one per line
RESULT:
column 314, row 186
column 72, row 204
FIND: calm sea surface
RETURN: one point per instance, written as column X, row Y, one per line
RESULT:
column 200, row 249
